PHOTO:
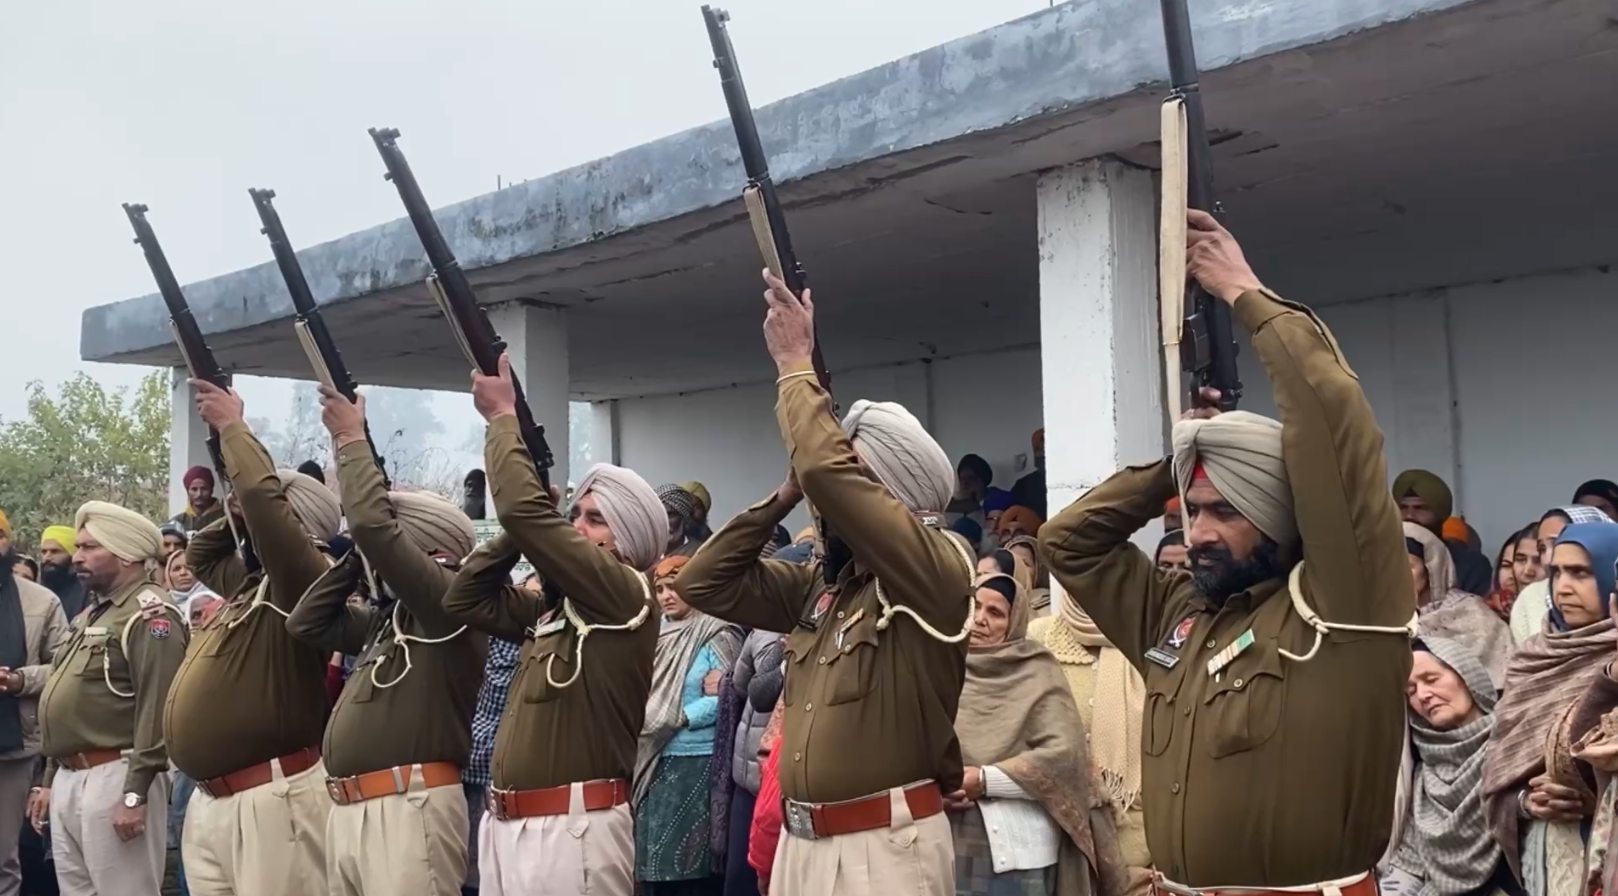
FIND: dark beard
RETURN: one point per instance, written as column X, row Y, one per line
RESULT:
column 53, row 576
column 1224, row 577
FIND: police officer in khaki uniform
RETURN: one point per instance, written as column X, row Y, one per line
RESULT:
column 402, row 726
column 558, row 819
column 876, row 660
column 101, row 715
column 248, row 707
column 1276, row 667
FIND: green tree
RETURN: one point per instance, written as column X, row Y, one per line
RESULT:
column 82, row 444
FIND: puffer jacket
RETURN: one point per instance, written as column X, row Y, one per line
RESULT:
column 757, row 678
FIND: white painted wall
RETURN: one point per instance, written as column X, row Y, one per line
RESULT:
column 728, row 438
column 1477, row 383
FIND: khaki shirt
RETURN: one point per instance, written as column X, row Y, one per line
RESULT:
column 867, row 709
column 387, row 715
column 107, row 687
column 549, row 735
column 45, row 628
column 248, row 691
column 1271, row 772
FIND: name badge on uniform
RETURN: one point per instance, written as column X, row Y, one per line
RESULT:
column 1162, row 658
column 1227, row 656
column 97, row 635
column 550, row 628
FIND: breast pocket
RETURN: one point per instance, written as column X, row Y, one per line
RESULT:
column 86, row 661
column 551, row 657
column 851, row 666
column 1243, row 708
column 1162, row 696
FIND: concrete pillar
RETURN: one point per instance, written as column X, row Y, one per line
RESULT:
column 1100, row 354
column 603, row 432
column 188, row 438
column 536, row 339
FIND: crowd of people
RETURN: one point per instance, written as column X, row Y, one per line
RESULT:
column 1317, row 683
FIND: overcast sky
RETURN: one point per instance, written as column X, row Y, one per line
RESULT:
column 184, row 104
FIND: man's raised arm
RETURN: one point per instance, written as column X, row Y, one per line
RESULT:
column 727, row 579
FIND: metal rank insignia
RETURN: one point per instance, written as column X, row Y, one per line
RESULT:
column 1227, row 656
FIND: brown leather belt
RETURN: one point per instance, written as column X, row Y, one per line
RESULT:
column 85, row 761
column 390, row 781
column 258, row 775
column 1364, row 885
column 603, row 794
column 815, row 821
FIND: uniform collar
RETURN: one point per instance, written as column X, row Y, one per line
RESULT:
column 1242, row 601
column 122, row 595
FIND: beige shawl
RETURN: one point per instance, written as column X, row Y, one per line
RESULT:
column 1117, row 717
column 1017, row 714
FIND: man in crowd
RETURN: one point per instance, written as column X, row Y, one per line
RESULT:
column 1029, row 491
column 1271, row 745
column 202, row 508
column 685, row 520
column 31, row 625
column 566, row 747
column 56, row 547
column 876, row 662
column 101, row 716
column 1602, row 494
column 1425, row 499
column 401, row 728
column 700, row 530
column 248, row 707
column 174, row 538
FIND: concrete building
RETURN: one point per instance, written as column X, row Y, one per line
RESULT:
column 979, row 225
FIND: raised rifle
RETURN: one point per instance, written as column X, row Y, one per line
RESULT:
column 769, row 223
column 763, row 207
column 316, row 340
column 453, row 293
column 199, row 359
column 1206, row 338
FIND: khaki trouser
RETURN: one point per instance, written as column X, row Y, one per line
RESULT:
column 91, row 860
column 268, row 841
column 580, row 852
column 16, row 779
column 907, row 857
column 407, row 844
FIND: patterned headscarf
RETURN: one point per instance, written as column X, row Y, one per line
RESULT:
column 681, row 503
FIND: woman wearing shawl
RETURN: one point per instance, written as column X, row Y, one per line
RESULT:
column 1025, row 822
column 1530, row 568
column 1445, row 611
column 1440, row 844
column 671, row 790
column 1538, row 800
column 1111, row 697
column 1504, row 593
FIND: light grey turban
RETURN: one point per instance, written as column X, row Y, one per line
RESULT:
column 435, row 525
column 896, row 447
column 128, row 535
column 633, row 512
column 1241, row 453
column 316, row 508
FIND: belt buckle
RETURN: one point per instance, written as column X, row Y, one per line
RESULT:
column 800, row 820
column 497, row 805
column 334, row 789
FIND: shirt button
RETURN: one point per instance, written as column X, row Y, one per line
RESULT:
column 823, row 661
column 808, row 707
column 1236, row 684
column 1188, row 709
column 1174, row 788
column 798, row 757
column 840, row 614
column 1092, row 701
column 1211, row 643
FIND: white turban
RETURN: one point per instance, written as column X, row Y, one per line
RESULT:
column 1241, row 453
column 316, row 508
column 433, row 523
column 131, row 537
column 901, row 453
column 633, row 512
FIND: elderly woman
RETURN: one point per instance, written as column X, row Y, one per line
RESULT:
column 1440, row 844
column 671, row 797
column 1538, row 801
column 1445, row 611
column 1024, row 819
column 1531, row 565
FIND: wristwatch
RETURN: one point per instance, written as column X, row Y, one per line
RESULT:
column 133, row 800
